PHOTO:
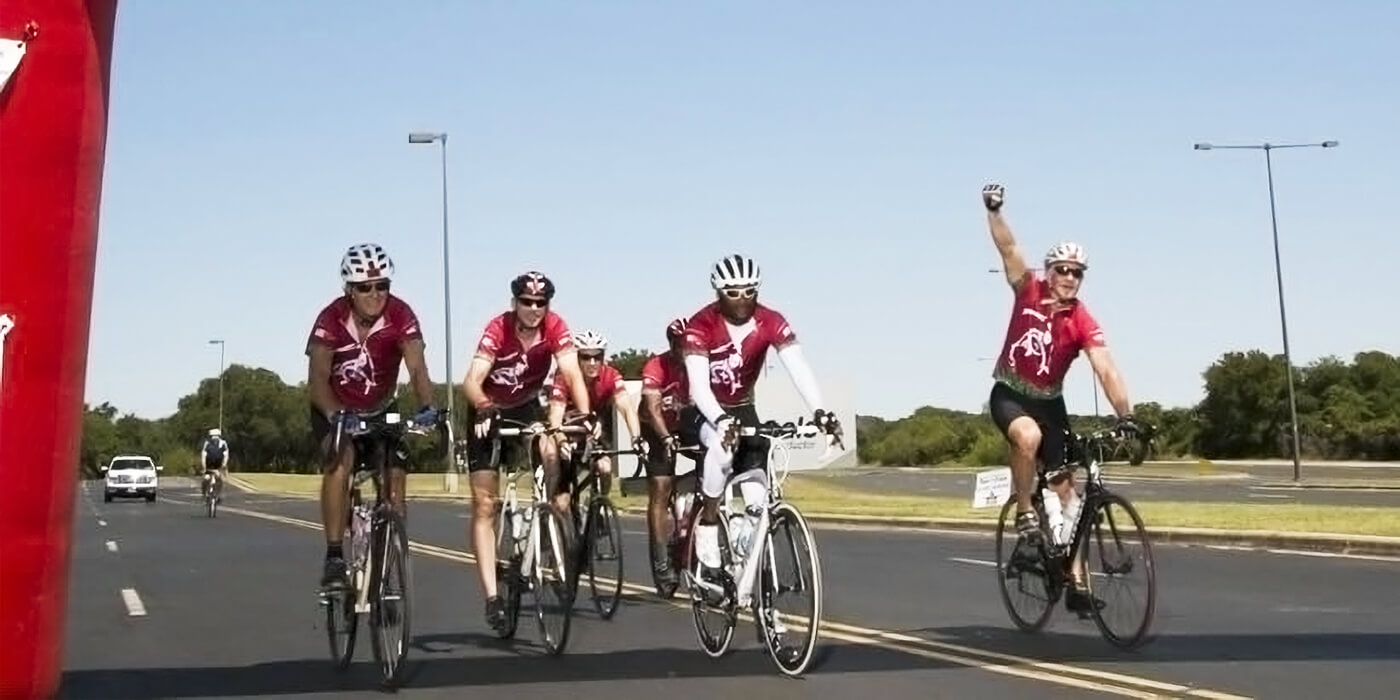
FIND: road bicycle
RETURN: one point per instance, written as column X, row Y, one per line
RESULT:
column 749, row 559
column 213, row 489
column 531, row 557
column 376, row 549
column 597, row 527
column 680, row 516
column 1042, row 576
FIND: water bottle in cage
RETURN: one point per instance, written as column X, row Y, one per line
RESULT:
column 359, row 528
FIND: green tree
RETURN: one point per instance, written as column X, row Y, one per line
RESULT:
column 630, row 362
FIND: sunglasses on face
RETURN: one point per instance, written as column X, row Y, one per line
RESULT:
column 535, row 303
column 740, row 293
column 367, row 287
column 1076, row 272
column 590, row 357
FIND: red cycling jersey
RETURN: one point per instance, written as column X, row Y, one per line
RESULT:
column 736, row 352
column 666, row 377
column 364, row 374
column 1039, row 345
column 601, row 390
column 517, row 373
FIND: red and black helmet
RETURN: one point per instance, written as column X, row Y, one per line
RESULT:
column 676, row 330
column 532, row 283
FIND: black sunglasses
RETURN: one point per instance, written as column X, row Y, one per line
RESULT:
column 591, row 356
column 367, row 287
column 528, row 301
column 1076, row 272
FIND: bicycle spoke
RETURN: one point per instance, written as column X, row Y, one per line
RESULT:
column 1122, row 573
column 604, row 543
column 549, row 574
column 792, row 567
column 390, row 589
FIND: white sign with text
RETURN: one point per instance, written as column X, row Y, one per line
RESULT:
column 992, row 489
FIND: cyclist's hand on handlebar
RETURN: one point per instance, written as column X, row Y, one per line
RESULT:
column 829, row 424
column 672, row 444
column 426, row 416
column 639, row 444
column 347, row 421
column 485, row 417
column 1128, row 425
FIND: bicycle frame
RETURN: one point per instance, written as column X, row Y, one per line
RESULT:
column 509, row 500
column 1088, row 448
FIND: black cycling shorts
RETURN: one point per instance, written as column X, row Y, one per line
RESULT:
column 321, row 429
column 512, row 448
column 687, row 428
column 1007, row 404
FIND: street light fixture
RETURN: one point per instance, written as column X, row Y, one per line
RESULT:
column 1268, row 148
column 423, row 137
column 220, row 343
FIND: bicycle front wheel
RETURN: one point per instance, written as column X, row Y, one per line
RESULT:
column 389, row 591
column 1121, row 541
column 549, row 578
column 1028, row 589
column 604, row 542
column 790, row 566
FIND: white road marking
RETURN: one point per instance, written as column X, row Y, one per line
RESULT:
column 111, row 546
column 978, row 562
column 103, row 523
column 134, row 607
column 1269, row 495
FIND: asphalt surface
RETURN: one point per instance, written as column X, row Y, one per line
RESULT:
column 1333, row 485
column 227, row 610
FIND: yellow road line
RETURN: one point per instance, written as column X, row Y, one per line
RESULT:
column 987, row 660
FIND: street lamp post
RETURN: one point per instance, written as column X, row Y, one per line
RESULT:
column 420, row 137
column 1268, row 148
column 220, row 343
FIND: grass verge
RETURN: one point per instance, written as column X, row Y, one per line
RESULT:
column 819, row 496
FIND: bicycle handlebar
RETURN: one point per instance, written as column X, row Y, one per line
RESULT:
column 372, row 425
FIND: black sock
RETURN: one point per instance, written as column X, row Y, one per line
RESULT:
column 333, row 551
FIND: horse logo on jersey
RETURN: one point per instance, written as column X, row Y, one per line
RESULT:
column 509, row 375
column 724, row 370
column 358, row 369
column 1034, row 343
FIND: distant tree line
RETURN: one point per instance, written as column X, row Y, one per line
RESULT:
column 1345, row 411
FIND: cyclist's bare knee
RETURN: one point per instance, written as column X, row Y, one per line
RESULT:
column 1025, row 435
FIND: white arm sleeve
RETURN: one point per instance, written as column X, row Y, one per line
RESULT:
column 697, row 372
column 801, row 373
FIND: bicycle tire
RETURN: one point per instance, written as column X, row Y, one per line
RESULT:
column 391, row 554
column 508, row 575
column 715, row 645
column 552, row 553
column 1025, row 623
column 341, row 602
column 1141, row 633
column 604, row 523
column 797, row 664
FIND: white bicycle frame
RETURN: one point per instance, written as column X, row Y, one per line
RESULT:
column 521, row 523
column 746, row 571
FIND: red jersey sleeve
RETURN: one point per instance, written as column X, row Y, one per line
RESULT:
column 493, row 338
column 559, row 390
column 323, row 328
column 407, row 321
column 653, row 375
column 697, row 334
column 780, row 332
column 556, row 333
column 1086, row 329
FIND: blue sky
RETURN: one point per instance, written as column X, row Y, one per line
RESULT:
column 622, row 146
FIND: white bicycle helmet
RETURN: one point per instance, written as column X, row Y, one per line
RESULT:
column 366, row 262
column 735, row 271
column 1067, row 252
column 588, row 340
column 215, row 432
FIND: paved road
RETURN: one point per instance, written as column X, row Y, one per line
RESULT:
column 1241, row 484
column 229, row 611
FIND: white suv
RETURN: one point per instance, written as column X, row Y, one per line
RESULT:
column 131, row 475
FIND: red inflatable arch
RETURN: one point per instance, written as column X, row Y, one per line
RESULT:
column 53, row 128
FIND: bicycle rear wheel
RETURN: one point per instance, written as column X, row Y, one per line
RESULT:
column 789, row 542
column 604, row 542
column 1028, row 590
column 1112, row 538
column 549, row 578
column 390, row 585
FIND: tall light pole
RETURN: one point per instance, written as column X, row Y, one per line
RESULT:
column 421, row 137
column 220, row 343
column 1268, row 149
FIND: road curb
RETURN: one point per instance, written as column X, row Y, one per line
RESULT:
column 1332, row 486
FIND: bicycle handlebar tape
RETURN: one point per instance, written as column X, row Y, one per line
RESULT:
column 55, row 62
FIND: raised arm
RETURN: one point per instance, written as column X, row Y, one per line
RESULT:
column 1013, row 263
